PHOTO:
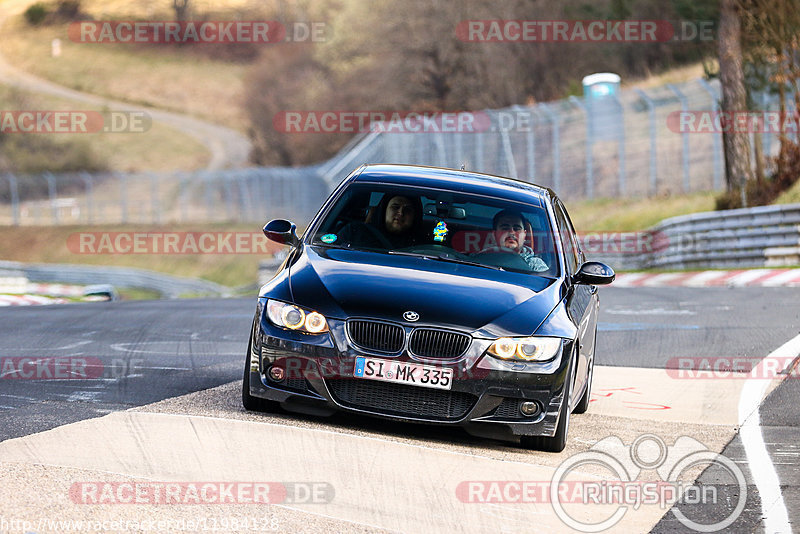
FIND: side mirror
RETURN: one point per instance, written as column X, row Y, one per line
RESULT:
column 594, row 273
column 282, row 231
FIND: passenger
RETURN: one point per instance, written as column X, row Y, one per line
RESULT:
column 509, row 228
column 396, row 220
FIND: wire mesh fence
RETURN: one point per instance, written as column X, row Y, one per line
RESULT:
column 630, row 144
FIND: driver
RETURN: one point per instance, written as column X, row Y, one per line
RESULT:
column 509, row 229
column 397, row 221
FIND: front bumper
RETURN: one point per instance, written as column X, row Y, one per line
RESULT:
column 484, row 398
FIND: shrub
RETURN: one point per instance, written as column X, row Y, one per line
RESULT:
column 761, row 193
column 69, row 10
column 36, row 14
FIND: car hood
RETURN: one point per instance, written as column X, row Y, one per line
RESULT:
column 343, row 283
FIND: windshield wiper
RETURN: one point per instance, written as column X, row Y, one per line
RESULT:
column 445, row 257
column 330, row 245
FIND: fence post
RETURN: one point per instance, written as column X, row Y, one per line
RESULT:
column 508, row 152
column 531, row 149
column 183, row 194
column 245, row 199
column 651, row 113
column 206, row 177
column 589, row 143
column 14, row 190
column 767, row 135
column 154, row 199
column 440, row 149
column 228, row 198
column 123, row 195
column 88, row 181
column 556, row 139
column 621, row 150
column 716, row 136
column 52, row 194
column 458, row 149
column 479, row 152
column 684, row 135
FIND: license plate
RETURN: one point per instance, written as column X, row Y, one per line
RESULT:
column 415, row 374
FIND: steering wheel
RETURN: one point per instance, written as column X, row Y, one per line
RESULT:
column 374, row 232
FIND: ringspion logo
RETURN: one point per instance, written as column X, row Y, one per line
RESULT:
column 575, row 485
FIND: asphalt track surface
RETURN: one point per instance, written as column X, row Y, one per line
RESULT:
column 166, row 380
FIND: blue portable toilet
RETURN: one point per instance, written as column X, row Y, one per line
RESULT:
column 600, row 92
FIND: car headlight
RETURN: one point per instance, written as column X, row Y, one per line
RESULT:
column 529, row 349
column 296, row 318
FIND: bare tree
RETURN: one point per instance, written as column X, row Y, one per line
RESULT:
column 771, row 37
column 734, row 97
column 181, row 8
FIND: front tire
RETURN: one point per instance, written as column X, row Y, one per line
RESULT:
column 583, row 404
column 251, row 403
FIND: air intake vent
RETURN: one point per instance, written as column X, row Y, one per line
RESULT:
column 401, row 400
column 372, row 335
column 431, row 343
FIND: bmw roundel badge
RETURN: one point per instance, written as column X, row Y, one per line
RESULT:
column 411, row 316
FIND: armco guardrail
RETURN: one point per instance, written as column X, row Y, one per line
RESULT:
column 763, row 236
column 167, row 285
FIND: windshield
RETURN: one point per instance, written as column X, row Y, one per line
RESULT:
column 444, row 225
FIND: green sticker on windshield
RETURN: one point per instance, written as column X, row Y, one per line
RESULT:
column 328, row 238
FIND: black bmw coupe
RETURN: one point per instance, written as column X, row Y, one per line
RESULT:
column 431, row 295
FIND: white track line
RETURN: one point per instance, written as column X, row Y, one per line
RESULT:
column 776, row 517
